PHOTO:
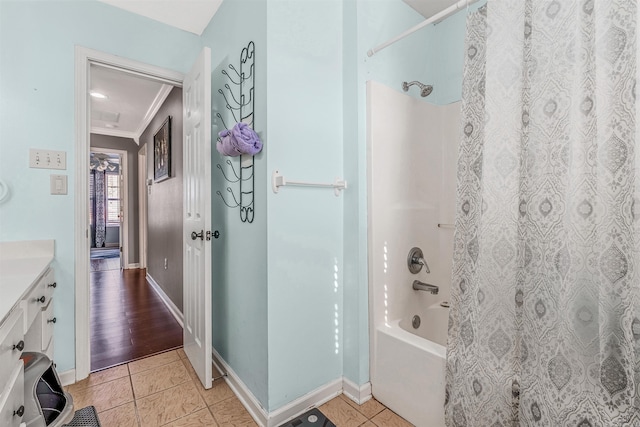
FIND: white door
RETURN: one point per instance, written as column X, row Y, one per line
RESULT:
column 121, row 217
column 196, row 99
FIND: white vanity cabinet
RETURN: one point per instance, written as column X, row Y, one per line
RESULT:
column 27, row 285
column 12, row 398
column 12, row 343
column 40, row 321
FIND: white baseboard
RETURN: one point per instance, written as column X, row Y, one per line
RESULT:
column 301, row 405
column 67, row 377
column 167, row 301
column 135, row 265
column 359, row 394
column 255, row 409
column 283, row 414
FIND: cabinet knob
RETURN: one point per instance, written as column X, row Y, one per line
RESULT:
column 19, row 346
column 53, row 285
column 52, row 320
column 19, row 412
column 42, row 299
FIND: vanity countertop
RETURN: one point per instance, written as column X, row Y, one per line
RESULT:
column 21, row 265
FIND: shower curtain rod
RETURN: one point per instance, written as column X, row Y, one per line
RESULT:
column 435, row 18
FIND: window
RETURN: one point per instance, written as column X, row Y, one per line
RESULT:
column 112, row 181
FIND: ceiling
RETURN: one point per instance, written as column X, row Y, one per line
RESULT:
column 131, row 102
column 428, row 8
column 188, row 15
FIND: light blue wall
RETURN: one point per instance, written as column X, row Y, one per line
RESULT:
column 446, row 56
column 37, row 40
column 433, row 55
column 240, row 254
column 367, row 24
column 355, row 298
column 305, row 225
column 290, row 290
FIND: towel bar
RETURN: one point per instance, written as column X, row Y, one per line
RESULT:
column 277, row 181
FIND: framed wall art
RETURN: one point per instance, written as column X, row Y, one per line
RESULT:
column 162, row 152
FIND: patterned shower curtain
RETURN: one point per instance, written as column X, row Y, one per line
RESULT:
column 544, row 327
column 101, row 214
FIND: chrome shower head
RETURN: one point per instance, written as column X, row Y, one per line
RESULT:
column 425, row 90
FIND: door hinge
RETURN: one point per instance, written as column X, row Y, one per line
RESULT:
column 208, row 235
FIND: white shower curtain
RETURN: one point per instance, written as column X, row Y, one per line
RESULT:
column 545, row 316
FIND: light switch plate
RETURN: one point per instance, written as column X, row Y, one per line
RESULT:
column 47, row 159
column 58, row 184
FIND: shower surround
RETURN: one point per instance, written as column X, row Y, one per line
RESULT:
column 412, row 155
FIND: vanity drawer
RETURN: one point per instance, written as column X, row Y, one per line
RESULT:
column 48, row 322
column 49, row 284
column 35, row 300
column 11, row 344
column 12, row 398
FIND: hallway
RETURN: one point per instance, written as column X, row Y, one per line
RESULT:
column 128, row 319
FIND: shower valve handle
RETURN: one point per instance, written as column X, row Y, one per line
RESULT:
column 415, row 261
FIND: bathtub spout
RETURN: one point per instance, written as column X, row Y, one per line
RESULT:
column 421, row 286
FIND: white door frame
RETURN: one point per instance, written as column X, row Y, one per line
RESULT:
column 124, row 188
column 142, row 206
column 84, row 57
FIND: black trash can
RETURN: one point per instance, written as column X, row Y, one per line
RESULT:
column 46, row 404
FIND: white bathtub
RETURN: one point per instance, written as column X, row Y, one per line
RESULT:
column 411, row 190
column 409, row 371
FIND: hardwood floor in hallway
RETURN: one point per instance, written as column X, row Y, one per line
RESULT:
column 128, row 319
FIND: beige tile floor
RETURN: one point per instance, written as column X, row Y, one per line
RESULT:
column 163, row 390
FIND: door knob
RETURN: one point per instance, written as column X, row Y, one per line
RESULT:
column 195, row 235
column 19, row 346
column 54, row 320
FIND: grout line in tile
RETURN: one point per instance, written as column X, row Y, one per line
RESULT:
column 211, row 413
column 96, row 385
column 220, row 401
column 186, row 415
column 133, row 390
column 135, row 403
column 108, row 409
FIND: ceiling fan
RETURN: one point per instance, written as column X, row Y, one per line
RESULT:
column 103, row 162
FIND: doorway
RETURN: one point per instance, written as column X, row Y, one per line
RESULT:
column 107, row 207
column 196, row 286
column 129, row 319
column 126, row 319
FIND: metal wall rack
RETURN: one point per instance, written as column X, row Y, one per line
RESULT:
column 239, row 96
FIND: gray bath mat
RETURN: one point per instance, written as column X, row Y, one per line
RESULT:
column 85, row 417
column 312, row 418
